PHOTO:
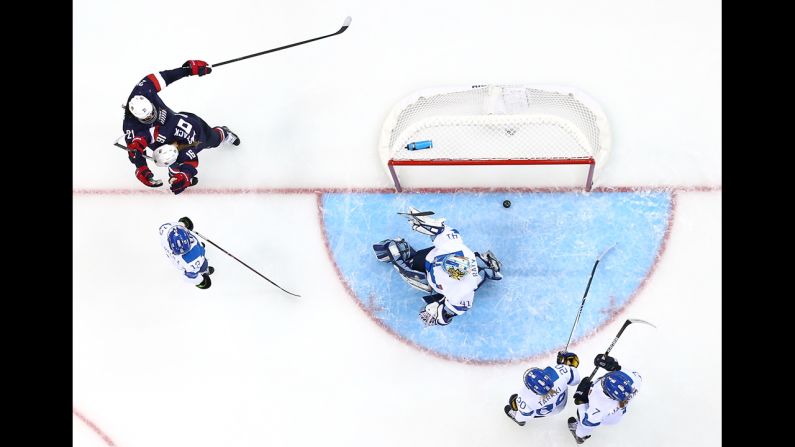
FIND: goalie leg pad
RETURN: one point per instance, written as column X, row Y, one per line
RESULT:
column 392, row 250
column 414, row 279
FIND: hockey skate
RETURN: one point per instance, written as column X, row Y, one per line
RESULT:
column 206, row 282
column 510, row 410
column 573, row 429
column 231, row 137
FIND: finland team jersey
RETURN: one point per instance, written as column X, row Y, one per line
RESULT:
column 601, row 408
column 531, row 405
column 192, row 263
column 458, row 293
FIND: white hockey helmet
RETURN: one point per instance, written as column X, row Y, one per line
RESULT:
column 165, row 155
column 143, row 109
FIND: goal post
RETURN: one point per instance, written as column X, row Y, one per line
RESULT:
column 503, row 130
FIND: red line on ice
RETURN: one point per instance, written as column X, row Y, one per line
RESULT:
column 94, row 427
column 241, row 191
column 674, row 190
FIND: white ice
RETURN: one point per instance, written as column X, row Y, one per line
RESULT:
column 160, row 363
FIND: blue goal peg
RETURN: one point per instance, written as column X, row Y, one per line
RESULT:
column 417, row 145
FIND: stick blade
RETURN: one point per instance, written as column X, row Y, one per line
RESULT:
column 638, row 320
column 605, row 251
column 345, row 25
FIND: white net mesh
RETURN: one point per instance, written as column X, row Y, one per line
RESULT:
column 498, row 122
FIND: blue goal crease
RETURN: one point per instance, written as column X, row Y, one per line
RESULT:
column 547, row 244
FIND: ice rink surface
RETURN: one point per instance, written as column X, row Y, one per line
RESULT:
column 158, row 362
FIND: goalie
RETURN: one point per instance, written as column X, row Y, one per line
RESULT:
column 449, row 272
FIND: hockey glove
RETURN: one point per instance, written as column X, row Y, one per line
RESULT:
column 147, row 178
column 198, row 67
column 606, row 362
column 206, row 283
column 137, row 144
column 581, row 395
column 182, row 177
column 568, row 358
column 187, row 222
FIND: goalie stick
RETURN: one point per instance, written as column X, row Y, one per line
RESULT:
column 419, row 214
column 121, row 146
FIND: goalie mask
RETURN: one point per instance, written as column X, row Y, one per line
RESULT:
column 456, row 266
column 142, row 108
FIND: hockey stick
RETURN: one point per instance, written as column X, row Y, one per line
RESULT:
column 238, row 260
column 420, row 214
column 155, row 181
column 116, row 143
column 582, row 304
column 626, row 323
column 345, row 26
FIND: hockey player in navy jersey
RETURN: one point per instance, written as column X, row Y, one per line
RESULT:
column 604, row 401
column 546, row 390
column 186, row 252
column 448, row 270
column 175, row 139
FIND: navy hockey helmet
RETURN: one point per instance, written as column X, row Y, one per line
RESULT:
column 538, row 381
column 143, row 109
column 178, row 240
column 618, row 385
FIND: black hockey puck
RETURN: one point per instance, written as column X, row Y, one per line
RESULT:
column 506, row 203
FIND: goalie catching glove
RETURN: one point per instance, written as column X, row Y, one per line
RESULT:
column 424, row 224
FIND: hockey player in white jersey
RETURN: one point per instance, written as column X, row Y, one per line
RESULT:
column 187, row 253
column 605, row 401
column 448, row 270
column 546, row 390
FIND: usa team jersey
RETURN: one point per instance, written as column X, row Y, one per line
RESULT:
column 183, row 128
column 192, row 263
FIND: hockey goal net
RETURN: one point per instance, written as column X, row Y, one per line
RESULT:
column 508, row 127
